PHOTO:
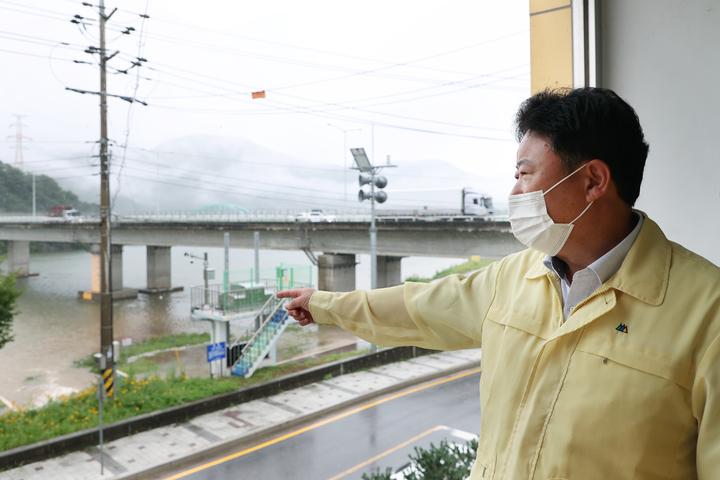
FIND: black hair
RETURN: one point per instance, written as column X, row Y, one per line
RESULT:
column 589, row 123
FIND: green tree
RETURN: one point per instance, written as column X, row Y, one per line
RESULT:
column 16, row 193
column 8, row 304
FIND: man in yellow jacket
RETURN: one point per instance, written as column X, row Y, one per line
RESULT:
column 601, row 342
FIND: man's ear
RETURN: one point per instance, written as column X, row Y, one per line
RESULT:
column 598, row 180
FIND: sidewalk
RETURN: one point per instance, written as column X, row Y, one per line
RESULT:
column 159, row 449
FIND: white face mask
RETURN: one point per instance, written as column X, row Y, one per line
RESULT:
column 532, row 225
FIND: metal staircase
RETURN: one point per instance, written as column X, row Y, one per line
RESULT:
column 273, row 320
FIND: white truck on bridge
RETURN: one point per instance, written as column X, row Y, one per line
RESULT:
column 437, row 202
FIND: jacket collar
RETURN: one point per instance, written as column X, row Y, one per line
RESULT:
column 645, row 271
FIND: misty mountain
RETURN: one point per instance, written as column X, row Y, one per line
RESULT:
column 191, row 172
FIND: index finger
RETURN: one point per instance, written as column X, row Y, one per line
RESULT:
column 292, row 293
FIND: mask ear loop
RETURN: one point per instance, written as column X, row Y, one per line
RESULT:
column 583, row 212
column 558, row 183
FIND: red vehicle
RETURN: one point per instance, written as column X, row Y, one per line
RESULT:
column 67, row 213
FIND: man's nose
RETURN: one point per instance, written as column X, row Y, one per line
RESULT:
column 516, row 189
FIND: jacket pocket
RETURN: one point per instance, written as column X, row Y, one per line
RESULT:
column 638, row 358
column 484, row 467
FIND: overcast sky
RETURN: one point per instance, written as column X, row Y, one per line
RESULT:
column 438, row 80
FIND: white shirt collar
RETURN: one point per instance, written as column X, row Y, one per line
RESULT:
column 586, row 281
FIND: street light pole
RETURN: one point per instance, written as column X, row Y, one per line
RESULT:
column 369, row 175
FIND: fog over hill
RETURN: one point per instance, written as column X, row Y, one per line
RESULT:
column 200, row 170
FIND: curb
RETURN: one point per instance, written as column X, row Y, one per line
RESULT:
column 90, row 437
column 215, row 450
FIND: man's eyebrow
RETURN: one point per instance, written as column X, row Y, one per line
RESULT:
column 521, row 162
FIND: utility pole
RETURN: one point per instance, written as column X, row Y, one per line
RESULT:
column 106, row 312
column 109, row 350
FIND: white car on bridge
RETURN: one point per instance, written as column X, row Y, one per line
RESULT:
column 314, row 216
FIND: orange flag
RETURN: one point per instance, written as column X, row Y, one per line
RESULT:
column 258, row 94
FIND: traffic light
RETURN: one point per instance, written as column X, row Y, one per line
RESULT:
column 379, row 181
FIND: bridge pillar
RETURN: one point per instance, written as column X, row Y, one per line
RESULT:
column 117, row 267
column 388, row 271
column 159, row 268
column 118, row 290
column 18, row 257
column 336, row 272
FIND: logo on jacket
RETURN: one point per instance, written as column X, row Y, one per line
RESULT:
column 622, row 328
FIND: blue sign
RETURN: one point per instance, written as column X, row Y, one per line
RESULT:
column 216, row 351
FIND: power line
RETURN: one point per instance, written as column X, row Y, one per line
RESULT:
column 35, row 55
column 294, row 61
column 33, row 13
column 352, row 57
column 232, row 192
column 288, row 108
column 134, row 97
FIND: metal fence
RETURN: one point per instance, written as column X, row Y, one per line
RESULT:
column 283, row 276
column 238, row 298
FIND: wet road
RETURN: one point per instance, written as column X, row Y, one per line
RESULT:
column 379, row 434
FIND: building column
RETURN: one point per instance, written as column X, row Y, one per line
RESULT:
column 159, row 268
column 18, row 257
column 551, row 44
column 336, row 272
column 388, row 271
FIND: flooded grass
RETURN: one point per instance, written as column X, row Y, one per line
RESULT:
column 152, row 344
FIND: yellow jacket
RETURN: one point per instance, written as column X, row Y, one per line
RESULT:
column 627, row 388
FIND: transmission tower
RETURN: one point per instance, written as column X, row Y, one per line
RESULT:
column 19, row 137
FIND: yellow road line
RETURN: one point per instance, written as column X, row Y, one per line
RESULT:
column 386, row 452
column 316, row 425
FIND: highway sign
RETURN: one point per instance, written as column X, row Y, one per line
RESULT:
column 215, row 351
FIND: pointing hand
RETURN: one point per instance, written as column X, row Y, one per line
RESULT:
column 299, row 306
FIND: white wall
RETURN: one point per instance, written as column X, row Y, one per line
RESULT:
column 663, row 57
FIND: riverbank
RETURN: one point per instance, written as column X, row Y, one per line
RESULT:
column 54, row 329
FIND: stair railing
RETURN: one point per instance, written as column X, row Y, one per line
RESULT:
column 260, row 331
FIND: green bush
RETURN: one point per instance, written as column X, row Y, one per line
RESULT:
column 8, row 304
column 79, row 411
column 445, row 462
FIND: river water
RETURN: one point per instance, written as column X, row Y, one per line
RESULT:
column 54, row 328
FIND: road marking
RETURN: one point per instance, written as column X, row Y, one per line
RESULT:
column 317, row 425
column 386, row 452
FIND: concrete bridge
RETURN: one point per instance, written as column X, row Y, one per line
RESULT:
column 339, row 241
